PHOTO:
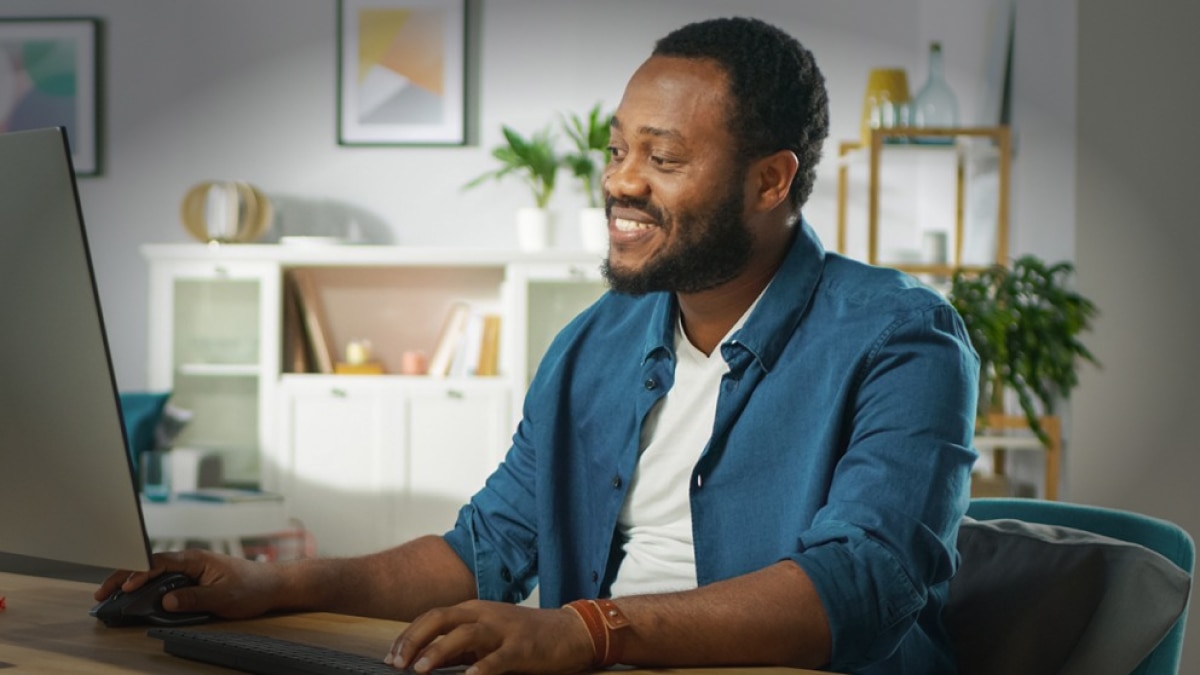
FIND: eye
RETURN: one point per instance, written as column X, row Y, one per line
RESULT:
column 664, row 161
column 615, row 153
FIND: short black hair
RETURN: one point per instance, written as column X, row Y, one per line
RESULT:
column 777, row 91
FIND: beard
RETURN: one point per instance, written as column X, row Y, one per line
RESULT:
column 710, row 248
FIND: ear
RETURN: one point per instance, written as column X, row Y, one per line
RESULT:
column 770, row 180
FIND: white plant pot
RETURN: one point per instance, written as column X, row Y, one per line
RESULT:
column 593, row 229
column 535, row 229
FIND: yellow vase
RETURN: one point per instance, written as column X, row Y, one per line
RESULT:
column 886, row 96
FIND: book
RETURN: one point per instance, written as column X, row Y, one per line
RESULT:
column 313, row 316
column 466, row 352
column 489, row 347
column 449, row 339
column 295, row 344
column 228, row 495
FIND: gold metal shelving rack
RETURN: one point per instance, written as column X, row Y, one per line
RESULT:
column 874, row 146
column 995, row 434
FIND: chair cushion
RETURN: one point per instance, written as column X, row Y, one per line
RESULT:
column 141, row 412
column 1031, row 598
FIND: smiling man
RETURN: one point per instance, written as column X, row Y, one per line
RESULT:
column 751, row 451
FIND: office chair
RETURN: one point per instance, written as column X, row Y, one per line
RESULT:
column 1054, row 587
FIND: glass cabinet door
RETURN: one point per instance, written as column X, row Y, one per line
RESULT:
column 544, row 297
column 214, row 345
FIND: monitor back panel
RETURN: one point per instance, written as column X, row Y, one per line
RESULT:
column 67, row 489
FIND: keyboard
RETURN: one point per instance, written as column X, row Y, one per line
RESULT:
column 264, row 655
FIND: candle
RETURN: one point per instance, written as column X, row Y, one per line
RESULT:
column 358, row 352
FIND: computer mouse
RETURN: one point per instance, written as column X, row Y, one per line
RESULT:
column 144, row 606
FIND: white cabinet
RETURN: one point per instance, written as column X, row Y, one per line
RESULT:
column 542, row 298
column 214, row 342
column 365, row 461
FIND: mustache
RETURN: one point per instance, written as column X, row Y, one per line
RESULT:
column 642, row 205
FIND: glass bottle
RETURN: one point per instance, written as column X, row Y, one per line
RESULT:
column 935, row 104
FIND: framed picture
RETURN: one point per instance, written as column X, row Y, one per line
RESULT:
column 401, row 72
column 49, row 78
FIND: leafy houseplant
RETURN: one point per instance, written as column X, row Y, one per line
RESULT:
column 586, row 161
column 1025, row 324
column 535, row 160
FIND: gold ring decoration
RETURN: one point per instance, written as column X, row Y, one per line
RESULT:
column 226, row 212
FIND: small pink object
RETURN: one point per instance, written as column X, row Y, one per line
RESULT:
column 413, row 363
column 2, row 605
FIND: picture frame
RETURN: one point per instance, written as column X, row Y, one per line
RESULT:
column 401, row 72
column 49, row 77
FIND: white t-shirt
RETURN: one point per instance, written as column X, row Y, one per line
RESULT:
column 655, row 523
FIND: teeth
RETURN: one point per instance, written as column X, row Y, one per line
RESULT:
column 629, row 225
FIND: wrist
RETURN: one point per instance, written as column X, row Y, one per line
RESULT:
column 298, row 585
column 605, row 624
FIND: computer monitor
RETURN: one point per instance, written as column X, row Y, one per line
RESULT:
column 67, row 484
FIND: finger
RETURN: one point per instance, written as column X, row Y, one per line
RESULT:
column 460, row 645
column 174, row 561
column 184, row 600
column 423, row 631
column 111, row 584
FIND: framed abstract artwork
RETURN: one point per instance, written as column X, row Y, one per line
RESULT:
column 49, row 77
column 401, row 72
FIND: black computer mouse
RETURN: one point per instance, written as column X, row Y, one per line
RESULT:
column 144, row 606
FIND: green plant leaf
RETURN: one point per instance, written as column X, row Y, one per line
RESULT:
column 534, row 159
column 590, row 139
column 1025, row 322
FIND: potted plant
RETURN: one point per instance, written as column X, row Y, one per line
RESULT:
column 1025, row 323
column 590, row 137
column 534, row 160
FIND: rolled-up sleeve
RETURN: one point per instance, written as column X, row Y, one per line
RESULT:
column 496, row 532
column 886, row 534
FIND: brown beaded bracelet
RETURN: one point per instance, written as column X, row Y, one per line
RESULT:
column 602, row 618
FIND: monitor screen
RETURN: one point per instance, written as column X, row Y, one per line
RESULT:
column 67, row 487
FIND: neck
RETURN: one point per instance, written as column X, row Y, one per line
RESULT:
column 708, row 316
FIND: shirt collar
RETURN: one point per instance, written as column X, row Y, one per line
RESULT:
column 771, row 323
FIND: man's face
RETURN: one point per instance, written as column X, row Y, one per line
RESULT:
column 674, row 191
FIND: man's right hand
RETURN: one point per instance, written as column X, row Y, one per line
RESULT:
column 229, row 587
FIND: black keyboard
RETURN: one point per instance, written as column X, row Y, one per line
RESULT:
column 264, row 655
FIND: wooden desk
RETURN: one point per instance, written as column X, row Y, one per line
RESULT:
column 47, row 630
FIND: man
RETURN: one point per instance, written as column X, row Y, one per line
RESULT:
column 757, row 451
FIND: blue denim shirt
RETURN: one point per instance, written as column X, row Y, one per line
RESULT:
column 842, row 441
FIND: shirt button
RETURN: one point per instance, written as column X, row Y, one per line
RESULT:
column 651, row 384
column 595, row 576
column 505, row 575
column 616, row 482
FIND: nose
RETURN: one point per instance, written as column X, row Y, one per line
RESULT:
column 623, row 180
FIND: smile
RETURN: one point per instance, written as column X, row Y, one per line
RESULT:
column 630, row 225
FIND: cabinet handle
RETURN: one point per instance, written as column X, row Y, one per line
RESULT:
column 221, row 271
column 576, row 273
column 454, row 393
column 338, row 392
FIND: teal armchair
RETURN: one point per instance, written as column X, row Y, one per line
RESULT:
column 1057, row 588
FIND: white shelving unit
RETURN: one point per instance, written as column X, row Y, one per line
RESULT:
column 396, row 453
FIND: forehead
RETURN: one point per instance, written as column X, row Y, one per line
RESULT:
column 687, row 98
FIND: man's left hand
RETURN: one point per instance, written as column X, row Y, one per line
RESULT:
column 495, row 638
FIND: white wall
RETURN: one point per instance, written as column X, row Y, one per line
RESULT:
column 1137, row 240
column 244, row 89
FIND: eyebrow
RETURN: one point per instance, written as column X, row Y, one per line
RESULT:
column 650, row 131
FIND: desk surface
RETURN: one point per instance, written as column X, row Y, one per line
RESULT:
column 47, row 630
